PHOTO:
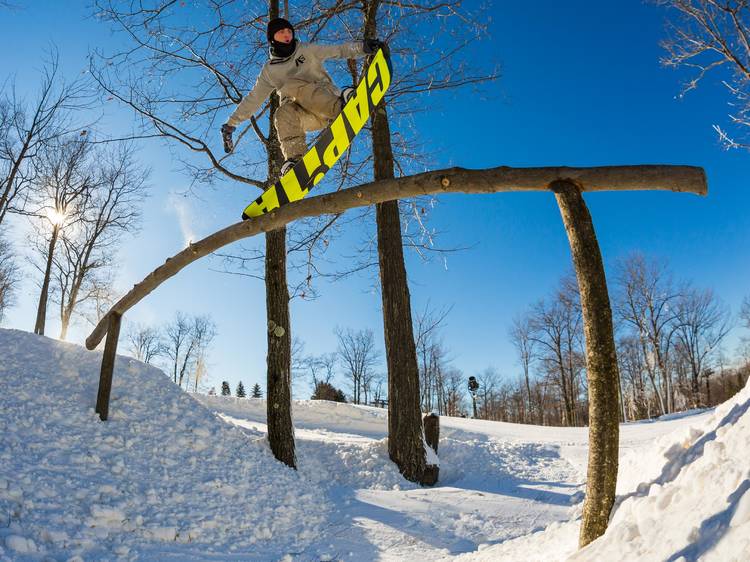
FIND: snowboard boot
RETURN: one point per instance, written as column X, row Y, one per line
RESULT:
column 288, row 165
column 346, row 94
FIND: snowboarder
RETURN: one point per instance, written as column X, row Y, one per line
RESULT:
column 309, row 98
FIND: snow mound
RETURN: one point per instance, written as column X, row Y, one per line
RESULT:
column 337, row 444
column 684, row 498
column 161, row 473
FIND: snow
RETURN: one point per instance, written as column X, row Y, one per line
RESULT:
column 163, row 475
column 175, row 476
column 682, row 497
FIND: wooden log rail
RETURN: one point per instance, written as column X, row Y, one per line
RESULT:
column 686, row 179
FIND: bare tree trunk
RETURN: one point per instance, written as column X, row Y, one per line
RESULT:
column 666, row 379
column 279, row 354
column 67, row 311
column 405, row 433
column 601, row 362
column 41, row 311
column 65, row 323
column 405, row 445
column 278, row 359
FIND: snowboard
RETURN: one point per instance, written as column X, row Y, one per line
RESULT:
column 331, row 143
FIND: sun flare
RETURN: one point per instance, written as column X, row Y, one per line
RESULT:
column 56, row 217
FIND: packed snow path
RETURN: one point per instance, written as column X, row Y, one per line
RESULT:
column 167, row 478
column 492, row 487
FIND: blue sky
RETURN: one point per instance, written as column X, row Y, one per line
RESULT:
column 581, row 85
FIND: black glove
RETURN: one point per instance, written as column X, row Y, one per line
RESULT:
column 371, row 46
column 226, row 136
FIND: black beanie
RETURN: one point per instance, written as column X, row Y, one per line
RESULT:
column 275, row 25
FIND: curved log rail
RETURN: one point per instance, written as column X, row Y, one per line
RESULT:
column 686, row 179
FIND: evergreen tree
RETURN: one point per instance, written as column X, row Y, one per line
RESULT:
column 240, row 390
column 326, row 391
column 257, row 393
column 225, row 390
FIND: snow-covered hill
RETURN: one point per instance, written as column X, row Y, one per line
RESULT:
column 169, row 477
column 684, row 497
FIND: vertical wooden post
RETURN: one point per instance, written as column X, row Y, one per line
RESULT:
column 108, row 365
column 601, row 361
column 431, row 424
column 432, row 430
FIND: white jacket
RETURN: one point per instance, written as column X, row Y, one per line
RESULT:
column 286, row 75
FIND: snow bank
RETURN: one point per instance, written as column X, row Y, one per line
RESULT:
column 697, row 506
column 685, row 497
column 163, row 477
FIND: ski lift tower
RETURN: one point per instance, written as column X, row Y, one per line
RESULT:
column 473, row 387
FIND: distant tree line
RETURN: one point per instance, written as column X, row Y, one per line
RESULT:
column 670, row 345
column 670, row 340
column 355, row 361
column 180, row 347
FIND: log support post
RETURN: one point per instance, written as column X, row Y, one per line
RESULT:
column 601, row 361
column 108, row 365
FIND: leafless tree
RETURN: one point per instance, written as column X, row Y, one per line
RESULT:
column 319, row 368
column 203, row 334
column 28, row 128
column 430, row 356
column 454, row 391
column 520, row 337
column 743, row 348
column 702, row 324
column 708, row 36
column 633, row 370
column 489, row 381
column 145, row 343
column 358, row 357
column 181, row 76
column 111, row 209
column 432, row 70
column 179, row 346
column 186, row 340
column 745, row 313
column 65, row 181
column 556, row 330
column 405, row 432
column 9, row 277
column 647, row 305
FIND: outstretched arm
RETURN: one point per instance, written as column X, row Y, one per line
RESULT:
column 252, row 101
column 343, row 51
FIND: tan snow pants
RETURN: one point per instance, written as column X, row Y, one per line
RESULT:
column 315, row 105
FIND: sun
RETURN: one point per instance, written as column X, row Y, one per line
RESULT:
column 56, row 217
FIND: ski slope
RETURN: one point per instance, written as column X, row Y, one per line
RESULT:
column 175, row 477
